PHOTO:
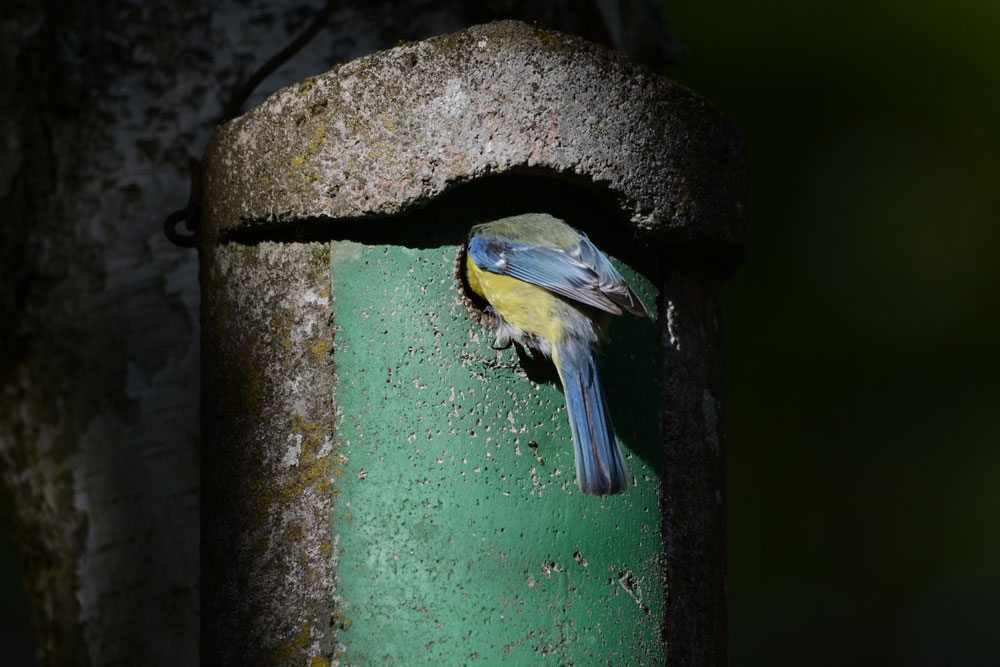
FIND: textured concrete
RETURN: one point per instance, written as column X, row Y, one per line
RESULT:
column 267, row 455
column 383, row 134
column 693, row 473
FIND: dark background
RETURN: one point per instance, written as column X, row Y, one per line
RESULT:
column 861, row 353
column 862, row 403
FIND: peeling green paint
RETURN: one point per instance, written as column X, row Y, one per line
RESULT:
column 452, row 542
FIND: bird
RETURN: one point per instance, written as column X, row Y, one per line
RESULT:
column 552, row 291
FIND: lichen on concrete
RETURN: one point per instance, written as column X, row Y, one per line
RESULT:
column 383, row 134
column 268, row 455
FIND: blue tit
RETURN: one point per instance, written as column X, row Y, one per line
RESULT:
column 552, row 291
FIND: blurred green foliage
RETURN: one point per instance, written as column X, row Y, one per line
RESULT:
column 863, row 402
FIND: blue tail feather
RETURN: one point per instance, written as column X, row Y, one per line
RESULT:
column 600, row 466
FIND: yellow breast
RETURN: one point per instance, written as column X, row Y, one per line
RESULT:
column 528, row 307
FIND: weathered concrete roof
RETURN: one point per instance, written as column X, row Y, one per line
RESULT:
column 388, row 132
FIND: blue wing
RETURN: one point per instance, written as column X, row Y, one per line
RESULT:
column 578, row 271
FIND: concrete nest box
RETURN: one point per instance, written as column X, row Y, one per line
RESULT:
column 378, row 483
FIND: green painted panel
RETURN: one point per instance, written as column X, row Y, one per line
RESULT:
column 453, row 544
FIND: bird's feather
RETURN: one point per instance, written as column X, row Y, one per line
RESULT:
column 600, row 465
column 565, row 262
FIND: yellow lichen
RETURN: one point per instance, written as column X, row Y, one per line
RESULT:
column 294, row 532
column 318, row 137
column 313, row 469
column 321, row 349
column 284, row 653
